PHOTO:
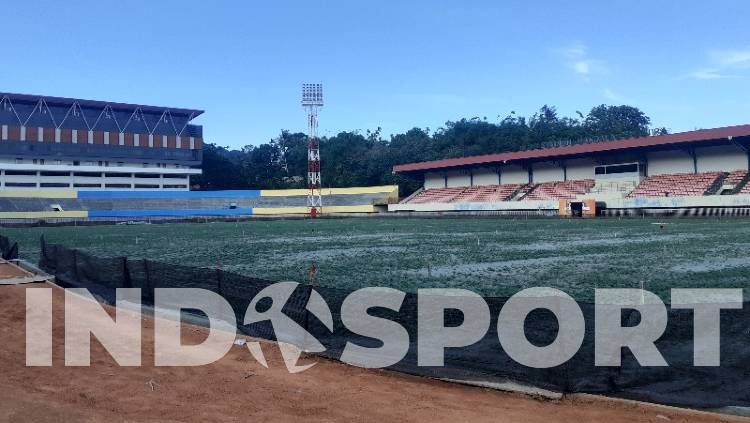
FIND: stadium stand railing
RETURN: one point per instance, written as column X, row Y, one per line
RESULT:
column 738, row 181
column 735, row 177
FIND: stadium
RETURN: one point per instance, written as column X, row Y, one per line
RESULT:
column 697, row 172
column 98, row 195
column 375, row 212
column 68, row 159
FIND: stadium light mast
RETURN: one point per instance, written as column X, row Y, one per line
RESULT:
column 312, row 100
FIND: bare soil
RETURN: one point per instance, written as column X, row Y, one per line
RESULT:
column 237, row 388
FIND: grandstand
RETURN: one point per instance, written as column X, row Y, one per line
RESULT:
column 64, row 158
column 63, row 143
column 698, row 169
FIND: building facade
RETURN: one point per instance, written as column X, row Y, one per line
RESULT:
column 63, row 143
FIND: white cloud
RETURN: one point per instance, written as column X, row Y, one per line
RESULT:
column 611, row 95
column 731, row 58
column 722, row 64
column 582, row 67
column 576, row 58
column 706, row 74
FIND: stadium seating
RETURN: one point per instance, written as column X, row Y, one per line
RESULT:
column 437, row 195
column 561, row 190
column 478, row 194
column 488, row 193
column 142, row 203
column 10, row 204
column 735, row 177
column 680, row 184
column 744, row 189
column 495, row 193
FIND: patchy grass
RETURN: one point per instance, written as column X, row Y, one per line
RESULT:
column 490, row 256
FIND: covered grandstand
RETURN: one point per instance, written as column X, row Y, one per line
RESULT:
column 702, row 169
column 63, row 143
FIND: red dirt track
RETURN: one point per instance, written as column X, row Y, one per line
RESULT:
column 237, row 388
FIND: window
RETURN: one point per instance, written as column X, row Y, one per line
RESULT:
column 19, row 160
column 117, row 186
column 76, row 163
column 616, row 168
column 53, row 185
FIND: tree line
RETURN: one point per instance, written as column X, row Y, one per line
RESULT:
column 351, row 158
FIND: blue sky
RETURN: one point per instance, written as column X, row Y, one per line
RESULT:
column 395, row 64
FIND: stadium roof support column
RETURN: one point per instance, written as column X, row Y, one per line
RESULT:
column 694, row 156
column 530, row 170
column 744, row 148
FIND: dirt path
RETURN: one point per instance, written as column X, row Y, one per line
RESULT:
column 237, row 388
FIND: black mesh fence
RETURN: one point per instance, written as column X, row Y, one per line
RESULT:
column 680, row 383
column 8, row 248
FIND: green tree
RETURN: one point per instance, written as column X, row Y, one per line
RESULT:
column 616, row 122
column 353, row 159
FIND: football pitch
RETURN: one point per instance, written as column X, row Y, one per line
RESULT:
column 491, row 256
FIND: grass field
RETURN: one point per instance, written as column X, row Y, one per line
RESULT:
column 489, row 256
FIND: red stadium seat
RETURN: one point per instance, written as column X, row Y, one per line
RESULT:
column 561, row 190
column 477, row 194
column 675, row 185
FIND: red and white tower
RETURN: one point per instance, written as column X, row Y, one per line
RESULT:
column 312, row 100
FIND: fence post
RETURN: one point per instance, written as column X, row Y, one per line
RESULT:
column 149, row 288
column 218, row 282
column 75, row 265
column 126, row 273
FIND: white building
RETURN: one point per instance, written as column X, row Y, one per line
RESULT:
column 52, row 142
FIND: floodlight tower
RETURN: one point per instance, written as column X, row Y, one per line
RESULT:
column 312, row 100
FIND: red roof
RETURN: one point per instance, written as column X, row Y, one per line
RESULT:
column 682, row 137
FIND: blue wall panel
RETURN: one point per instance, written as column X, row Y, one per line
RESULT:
column 182, row 213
